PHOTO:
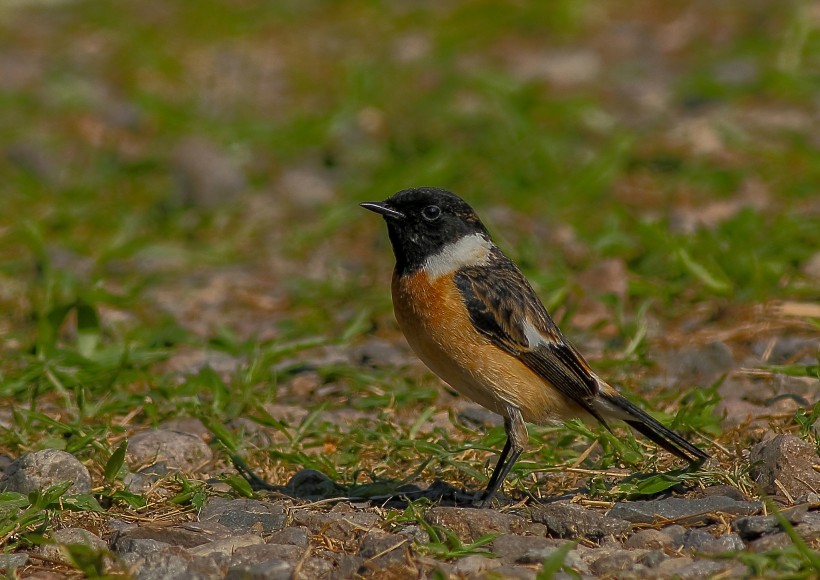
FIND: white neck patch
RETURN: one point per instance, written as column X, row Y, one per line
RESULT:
column 472, row 250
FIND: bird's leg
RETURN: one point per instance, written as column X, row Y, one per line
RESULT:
column 497, row 470
column 516, row 441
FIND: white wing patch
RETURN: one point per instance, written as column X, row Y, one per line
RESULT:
column 534, row 338
column 472, row 250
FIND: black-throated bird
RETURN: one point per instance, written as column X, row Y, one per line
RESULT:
column 473, row 318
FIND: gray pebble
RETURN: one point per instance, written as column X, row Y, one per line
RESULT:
column 226, row 546
column 9, row 562
column 473, row 414
column 616, row 561
column 383, row 548
column 786, row 349
column 259, row 553
column 470, row 524
column 703, row 363
column 788, row 460
column 700, row 569
column 752, row 527
column 648, row 539
column 473, row 564
column 676, row 533
column 292, row 535
column 577, row 558
column 175, row 449
column 568, row 520
column 244, row 515
column 335, row 525
column 701, row 541
column 379, row 352
column 42, row 469
column 184, row 535
column 770, row 542
column 139, row 546
column 273, row 570
column 71, row 536
column 173, row 563
column 515, row 548
column 508, row 571
column 691, row 510
column 653, row 558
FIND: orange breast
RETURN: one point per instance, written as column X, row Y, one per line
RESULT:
column 436, row 323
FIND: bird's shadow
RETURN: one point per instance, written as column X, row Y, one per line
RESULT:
column 312, row 486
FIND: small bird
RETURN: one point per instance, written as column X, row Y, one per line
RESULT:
column 472, row 317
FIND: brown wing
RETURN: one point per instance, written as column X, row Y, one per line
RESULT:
column 500, row 299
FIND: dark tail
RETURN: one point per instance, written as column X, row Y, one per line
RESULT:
column 617, row 406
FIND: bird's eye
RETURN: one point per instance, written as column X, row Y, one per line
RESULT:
column 431, row 213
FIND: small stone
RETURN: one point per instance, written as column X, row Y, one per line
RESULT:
column 648, row 539
column 676, row 533
column 473, row 414
column 414, row 533
column 176, row 449
column 139, row 546
column 226, row 546
column 272, row 570
column 788, row 461
column 702, row 363
column 809, row 528
column 39, row 470
column 574, row 559
column 335, row 525
column 184, row 535
column 511, row 572
column 811, row 497
column 244, row 515
column 172, row 563
column 474, row 564
column 700, row 541
column 10, row 562
column 255, row 553
column 785, row 349
column 770, row 542
column 568, row 520
column 679, row 509
column 190, row 425
column 68, row 537
column 669, row 568
column 609, row 564
column 705, row 569
column 653, row 558
column 738, row 412
column 379, row 352
column 752, row 527
column 146, row 478
column 328, row 564
column 512, row 548
column 292, row 535
column 469, row 524
column 383, row 548
column 724, row 490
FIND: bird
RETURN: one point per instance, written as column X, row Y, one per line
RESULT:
column 473, row 318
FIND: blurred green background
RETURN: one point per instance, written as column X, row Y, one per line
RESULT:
column 182, row 177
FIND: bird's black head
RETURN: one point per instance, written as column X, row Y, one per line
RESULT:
column 422, row 221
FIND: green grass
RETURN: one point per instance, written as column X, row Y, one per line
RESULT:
column 108, row 279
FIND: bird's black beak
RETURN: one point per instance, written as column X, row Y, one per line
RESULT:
column 381, row 208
